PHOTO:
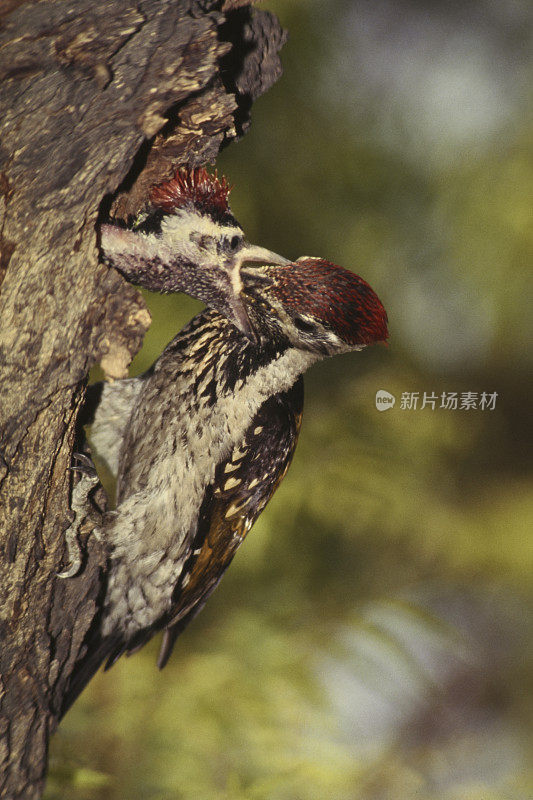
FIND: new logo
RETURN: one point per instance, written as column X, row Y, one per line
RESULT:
column 384, row 400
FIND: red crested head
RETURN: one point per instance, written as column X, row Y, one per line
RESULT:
column 193, row 188
column 335, row 297
column 327, row 303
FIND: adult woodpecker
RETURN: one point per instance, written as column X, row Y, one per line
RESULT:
column 187, row 240
column 210, row 434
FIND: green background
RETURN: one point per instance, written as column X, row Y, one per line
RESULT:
column 372, row 639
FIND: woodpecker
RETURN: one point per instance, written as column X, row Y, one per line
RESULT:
column 187, row 240
column 211, row 431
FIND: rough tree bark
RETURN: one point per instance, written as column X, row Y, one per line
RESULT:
column 97, row 101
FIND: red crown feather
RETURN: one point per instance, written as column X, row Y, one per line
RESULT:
column 334, row 295
column 197, row 186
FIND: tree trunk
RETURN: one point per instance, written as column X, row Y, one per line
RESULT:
column 97, row 102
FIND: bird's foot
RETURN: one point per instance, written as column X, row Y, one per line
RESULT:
column 83, row 509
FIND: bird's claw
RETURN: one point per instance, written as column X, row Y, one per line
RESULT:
column 85, row 466
column 74, row 552
column 80, row 507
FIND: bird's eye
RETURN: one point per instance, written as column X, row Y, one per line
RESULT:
column 235, row 242
column 304, row 325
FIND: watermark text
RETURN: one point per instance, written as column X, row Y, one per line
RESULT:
column 448, row 401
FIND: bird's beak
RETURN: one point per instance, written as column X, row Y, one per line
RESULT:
column 239, row 317
column 252, row 254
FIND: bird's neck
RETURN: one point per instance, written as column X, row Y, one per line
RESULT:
column 226, row 362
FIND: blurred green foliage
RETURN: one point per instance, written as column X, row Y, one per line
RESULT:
column 370, row 640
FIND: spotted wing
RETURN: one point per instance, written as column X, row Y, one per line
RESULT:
column 242, row 487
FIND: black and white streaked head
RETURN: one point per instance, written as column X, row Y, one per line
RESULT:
column 314, row 306
column 187, row 240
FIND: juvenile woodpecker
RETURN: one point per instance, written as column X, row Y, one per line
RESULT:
column 211, row 433
column 187, row 240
